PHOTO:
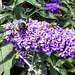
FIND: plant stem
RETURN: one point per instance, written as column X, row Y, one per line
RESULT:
column 31, row 67
column 34, row 12
column 25, row 61
column 33, row 58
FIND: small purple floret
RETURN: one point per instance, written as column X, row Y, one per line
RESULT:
column 41, row 38
column 51, row 6
column 21, row 61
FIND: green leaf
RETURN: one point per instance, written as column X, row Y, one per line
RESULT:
column 14, row 60
column 2, row 30
column 73, row 23
column 71, row 70
column 70, row 59
column 73, row 30
column 42, row 67
column 3, row 24
column 68, row 64
column 60, row 62
column 61, row 70
column 6, row 56
column 53, row 71
column 66, row 24
column 20, row 1
column 0, row 5
column 42, row 2
column 42, row 56
column 2, row 20
column 1, row 37
column 28, row 10
column 57, row 54
column 4, row 15
column 17, row 13
column 17, row 3
column 69, row 7
column 10, row 2
column 63, row 9
column 35, row 3
column 49, row 61
column 53, row 58
column 23, row 16
column 45, row 15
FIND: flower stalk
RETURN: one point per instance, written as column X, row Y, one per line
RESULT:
column 33, row 58
column 31, row 67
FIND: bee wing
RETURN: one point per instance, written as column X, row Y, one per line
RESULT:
column 51, row 24
column 17, row 27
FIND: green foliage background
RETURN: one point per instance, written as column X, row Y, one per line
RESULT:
column 50, row 64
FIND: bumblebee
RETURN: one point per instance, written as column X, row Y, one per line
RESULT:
column 21, row 26
column 52, row 24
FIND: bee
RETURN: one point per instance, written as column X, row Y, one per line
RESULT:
column 21, row 26
column 52, row 24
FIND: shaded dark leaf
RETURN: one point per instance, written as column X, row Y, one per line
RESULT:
column 42, row 67
column 71, row 70
column 53, row 71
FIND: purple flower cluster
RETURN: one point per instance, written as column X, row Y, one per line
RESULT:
column 51, row 6
column 20, row 61
column 41, row 38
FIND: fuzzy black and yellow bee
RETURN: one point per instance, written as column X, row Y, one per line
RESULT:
column 21, row 26
column 52, row 24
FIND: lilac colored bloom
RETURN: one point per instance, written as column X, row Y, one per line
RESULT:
column 8, row 26
column 20, row 61
column 40, row 38
column 17, row 47
column 8, row 36
column 51, row 6
column 18, row 21
column 53, row 1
